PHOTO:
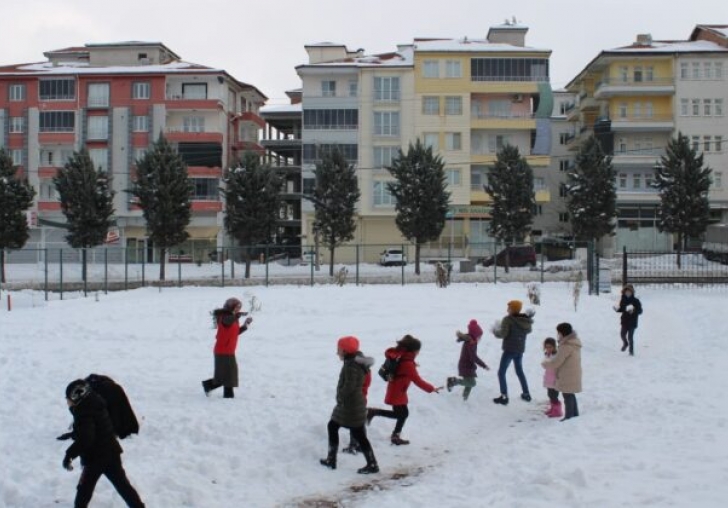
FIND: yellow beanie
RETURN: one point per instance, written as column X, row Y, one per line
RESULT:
column 515, row 306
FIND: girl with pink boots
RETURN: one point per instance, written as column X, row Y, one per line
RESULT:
column 549, row 380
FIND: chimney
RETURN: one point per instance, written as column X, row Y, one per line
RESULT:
column 644, row 40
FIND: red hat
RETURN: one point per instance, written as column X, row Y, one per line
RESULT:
column 349, row 344
column 474, row 330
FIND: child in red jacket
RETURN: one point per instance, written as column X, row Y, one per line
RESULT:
column 406, row 351
column 469, row 359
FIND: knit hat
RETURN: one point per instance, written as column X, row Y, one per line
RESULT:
column 628, row 287
column 515, row 306
column 77, row 390
column 232, row 304
column 474, row 329
column 349, row 344
column 409, row 343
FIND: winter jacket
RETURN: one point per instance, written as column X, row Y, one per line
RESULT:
column 567, row 364
column 228, row 329
column 366, row 361
column 513, row 330
column 406, row 373
column 469, row 356
column 351, row 407
column 549, row 374
column 629, row 319
column 93, row 434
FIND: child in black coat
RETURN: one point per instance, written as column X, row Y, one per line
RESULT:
column 630, row 307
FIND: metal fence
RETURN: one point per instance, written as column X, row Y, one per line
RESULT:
column 59, row 270
column 654, row 267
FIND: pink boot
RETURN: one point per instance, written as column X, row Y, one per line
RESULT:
column 555, row 411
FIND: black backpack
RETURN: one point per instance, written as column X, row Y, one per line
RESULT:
column 389, row 368
column 117, row 403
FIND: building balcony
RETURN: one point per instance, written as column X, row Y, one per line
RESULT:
column 181, row 101
column 242, row 146
column 97, row 135
column 512, row 121
column 97, row 102
column 588, row 104
column 47, row 172
column 49, row 206
column 251, row 117
column 200, row 205
column 204, row 172
column 542, row 195
column 182, row 135
column 57, row 138
column 614, row 87
column 654, row 123
column 637, row 157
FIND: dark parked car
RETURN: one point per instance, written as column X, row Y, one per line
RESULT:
column 519, row 256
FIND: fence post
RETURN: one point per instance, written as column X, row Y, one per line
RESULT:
column 314, row 261
column 106, row 271
column 60, row 276
column 624, row 265
column 45, row 275
column 590, row 266
column 126, row 268
column 402, row 264
column 222, row 264
column 267, row 252
column 542, row 256
column 357, row 263
column 598, row 274
column 232, row 263
column 179, row 269
column 144, row 264
column 84, row 271
column 495, row 263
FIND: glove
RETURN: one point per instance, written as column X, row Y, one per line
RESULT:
column 248, row 321
column 67, row 463
column 63, row 437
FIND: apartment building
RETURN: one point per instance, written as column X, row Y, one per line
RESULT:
column 635, row 99
column 115, row 100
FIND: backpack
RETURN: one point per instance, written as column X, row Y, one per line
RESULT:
column 389, row 368
column 122, row 415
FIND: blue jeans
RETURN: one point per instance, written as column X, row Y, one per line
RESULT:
column 505, row 361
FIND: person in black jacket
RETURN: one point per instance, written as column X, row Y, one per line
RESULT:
column 630, row 307
column 95, row 442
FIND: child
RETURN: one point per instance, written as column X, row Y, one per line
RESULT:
column 549, row 380
column 469, row 359
column 350, row 410
column 226, row 342
column 513, row 329
column 567, row 365
column 406, row 350
column 367, row 362
column 630, row 307
column 95, row 442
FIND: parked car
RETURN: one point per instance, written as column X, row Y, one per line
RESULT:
column 519, row 256
column 393, row 257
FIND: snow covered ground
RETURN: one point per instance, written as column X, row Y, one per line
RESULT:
column 653, row 429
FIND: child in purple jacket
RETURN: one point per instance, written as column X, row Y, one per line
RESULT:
column 469, row 359
column 549, row 380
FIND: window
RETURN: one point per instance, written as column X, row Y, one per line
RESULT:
column 719, row 143
column 383, row 155
column 98, row 95
column 718, row 70
column 353, row 88
column 707, row 107
column 382, row 196
column 194, row 91
column 696, row 70
column 47, row 158
column 328, row 88
column 637, row 74
column 684, row 71
column 432, row 140
column 313, row 152
column 624, row 73
column 453, row 105
column 637, row 108
column 649, row 181
column 622, row 145
column 563, row 190
column 499, row 109
column 718, row 110
column 330, row 119
column 696, row 143
column 386, row 89
column 100, row 158
column 564, row 165
column 497, row 142
column 623, row 180
column 453, row 141
column 453, row 177
column 193, row 124
column 537, row 210
column 430, row 69
column 563, row 217
column 453, row 69
column 141, row 90
column 57, row 121
column 648, row 110
column 98, row 127
column 696, row 107
column 539, row 183
column 637, row 181
column 564, row 138
column 718, row 179
column 707, row 70
column 622, row 110
column 17, row 155
column 140, row 123
column 63, row 89
column 684, row 107
column 430, row 105
column 706, row 143
column 16, row 92
column 17, row 124
column 206, row 189
column 509, row 69
column 649, row 73
column 386, row 123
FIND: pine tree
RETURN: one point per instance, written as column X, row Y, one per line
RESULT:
column 421, row 196
column 683, row 183
column 510, row 186
column 334, row 198
column 86, row 201
column 164, row 193
column 16, row 196
column 592, row 196
column 252, row 203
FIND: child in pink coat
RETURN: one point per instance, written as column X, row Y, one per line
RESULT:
column 549, row 380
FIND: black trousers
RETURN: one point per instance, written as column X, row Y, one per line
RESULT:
column 571, row 408
column 228, row 391
column 627, row 334
column 357, row 433
column 399, row 413
column 114, row 471
column 553, row 394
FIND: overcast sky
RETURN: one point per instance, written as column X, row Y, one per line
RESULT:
column 261, row 41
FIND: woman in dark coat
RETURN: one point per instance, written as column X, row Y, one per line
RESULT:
column 350, row 410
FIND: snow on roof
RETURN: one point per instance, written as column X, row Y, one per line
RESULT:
column 393, row 59
column 283, row 108
column 671, row 47
column 471, row 45
column 85, row 68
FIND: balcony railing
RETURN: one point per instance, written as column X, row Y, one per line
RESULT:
column 99, row 134
column 643, row 118
column 98, row 102
column 501, row 116
column 619, row 81
column 525, row 79
column 187, row 97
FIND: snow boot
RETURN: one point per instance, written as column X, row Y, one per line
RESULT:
column 330, row 460
column 371, row 466
column 625, row 345
column 207, row 387
column 503, row 399
column 555, row 411
column 451, row 381
column 526, row 397
column 396, row 440
column 352, row 449
column 371, row 413
column 228, row 393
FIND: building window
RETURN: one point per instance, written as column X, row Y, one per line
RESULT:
column 537, row 210
column 328, row 88
column 637, row 181
column 453, row 141
column 386, row 89
column 383, row 155
column 624, row 73
column 313, row 152
column 453, row 105
column 453, row 69
column 718, row 180
column 564, row 165
column 430, row 105
column 382, row 196
column 649, row 73
column 141, row 90
column 194, row 91
column 718, row 70
column 496, row 142
column 193, row 124
column 684, row 71
column 431, row 140
column 707, row 70
column 623, row 180
column 563, row 217
column 453, row 177
column 563, row 190
column 648, row 110
column 17, row 155
column 684, row 107
column 99, row 158
column 509, row 69
column 98, row 127
column 718, row 110
column 622, row 110
column 386, row 123
column 719, row 143
column 696, row 70
column 17, row 124
column 353, row 88
column 140, row 123
column 347, row 119
column 637, row 74
column 98, row 95
column 63, row 89
column 637, row 109
column 57, row 121
column 707, row 107
column 16, row 92
column 539, row 183
column 622, row 145
column 139, row 153
column 696, row 107
column 564, row 138
column 206, row 189
column 431, row 69
column 649, row 181
column 706, row 143
column 696, row 143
